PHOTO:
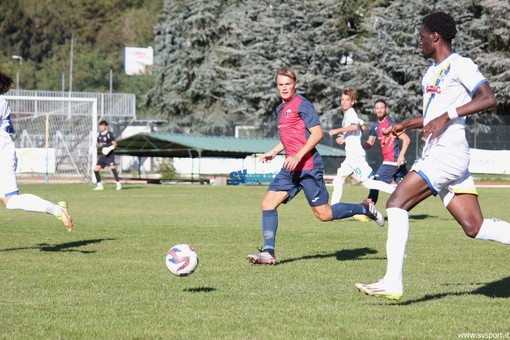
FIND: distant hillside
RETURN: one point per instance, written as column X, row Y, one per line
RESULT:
column 40, row 31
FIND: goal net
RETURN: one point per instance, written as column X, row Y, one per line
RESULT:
column 55, row 137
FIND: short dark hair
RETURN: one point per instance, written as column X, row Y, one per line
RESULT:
column 380, row 100
column 441, row 23
column 103, row 122
column 5, row 82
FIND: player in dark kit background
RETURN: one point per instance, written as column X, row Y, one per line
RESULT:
column 105, row 145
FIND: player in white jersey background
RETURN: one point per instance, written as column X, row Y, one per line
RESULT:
column 9, row 192
column 355, row 165
column 453, row 88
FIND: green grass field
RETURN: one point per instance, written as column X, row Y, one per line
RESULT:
column 107, row 278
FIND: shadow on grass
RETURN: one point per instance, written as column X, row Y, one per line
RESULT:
column 67, row 246
column 496, row 289
column 420, row 217
column 340, row 255
column 199, row 290
column 129, row 187
column 124, row 188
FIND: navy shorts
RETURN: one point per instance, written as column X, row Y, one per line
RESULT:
column 310, row 181
column 389, row 173
column 106, row 161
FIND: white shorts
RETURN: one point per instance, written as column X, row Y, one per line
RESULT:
column 356, row 169
column 445, row 169
column 8, row 164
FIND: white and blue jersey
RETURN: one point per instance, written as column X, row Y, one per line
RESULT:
column 353, row 146
column 450, row 83
column 5, row 118
column 8, row 159
column 445, row 161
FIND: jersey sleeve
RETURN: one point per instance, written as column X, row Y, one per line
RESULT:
column 308, row 114
column 112, row 136
column 5, row 119
column 469, row 75
column 373, row 129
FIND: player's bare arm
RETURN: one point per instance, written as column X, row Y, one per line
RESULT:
column 350, row 128
column 404, row 138
column 334, row 132
column 408, row 124
column 316, row 135
column 483, row 99
column 369, row 143
column 270, row 155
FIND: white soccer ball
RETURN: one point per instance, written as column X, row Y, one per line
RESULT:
column 181, row 260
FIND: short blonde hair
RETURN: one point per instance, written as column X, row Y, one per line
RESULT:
column 351, row 92
column 287, row 72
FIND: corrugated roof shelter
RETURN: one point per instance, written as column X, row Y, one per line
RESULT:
column 159, row 144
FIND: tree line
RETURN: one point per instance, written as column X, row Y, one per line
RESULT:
column 215, row 59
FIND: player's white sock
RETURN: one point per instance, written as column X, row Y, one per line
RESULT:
column 338, row 187
column 378, row 185
column 494, row 230
column 398, row 233
column 30, row 202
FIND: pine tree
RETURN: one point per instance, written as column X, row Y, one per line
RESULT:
column 215, row 60
column 394, row 66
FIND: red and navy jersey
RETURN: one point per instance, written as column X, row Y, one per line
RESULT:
column 295, row 117
column 104, row 140
column 390, row 145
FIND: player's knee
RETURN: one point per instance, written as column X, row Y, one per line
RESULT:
column 338, row 180
column 391, row 203
column 267, row 204
column 471, row 233
column 471, row 229
column 324, row 216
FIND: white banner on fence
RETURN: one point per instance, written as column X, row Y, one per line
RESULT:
column 224, row 166
column 39, row 160
column 490, row 161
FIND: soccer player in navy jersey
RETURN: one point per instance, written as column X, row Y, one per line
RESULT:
column 105, row 145
column 9, row 192
column 394, row 166
column 300, row 132
column 453, row 88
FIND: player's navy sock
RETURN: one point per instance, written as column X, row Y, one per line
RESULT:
column 343, row 210
column 98, row 177
column 269, row 227
column 115, row 175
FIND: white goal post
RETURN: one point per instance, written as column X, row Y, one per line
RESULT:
column 55, row 137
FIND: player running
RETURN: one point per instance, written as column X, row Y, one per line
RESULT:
column 453, row 88
column 9, row 192
column 355, row 165
column 394, row 166
column 105, row 145
column 300, row 132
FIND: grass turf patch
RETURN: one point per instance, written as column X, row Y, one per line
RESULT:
column 107, row 278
